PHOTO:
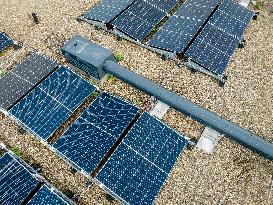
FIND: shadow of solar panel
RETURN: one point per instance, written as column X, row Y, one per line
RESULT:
column 230, row 24
column 23, row 77
column 107, row 10
column 212, row 49
column 176, row 34
column 46, row 196
column 16, row 182
column 138, row 20
column 5, row 41
column 163, row 5
column 51, row 103
column 87, row 141
column 141, row 164
column 236, row 10
column 197, row 9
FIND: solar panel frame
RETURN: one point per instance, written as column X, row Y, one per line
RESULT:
column 46, row 196
column 138, row 20
column 47, row 106
column 107, row 10
column 5, row 41
column 212, row 49
column 88, row 140
column 24, row 77
column 129, row 174
column 13, row 175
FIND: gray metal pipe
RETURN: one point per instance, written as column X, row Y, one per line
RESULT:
column 205, row 117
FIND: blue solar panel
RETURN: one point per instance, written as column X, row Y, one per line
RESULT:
column 163, row 4
column 87, row 141
column 212, row 49
column 5, row 41
column 237, row 11
column 107, row 10
column 16, row 182
column 142, row 162
column 51, row 103
column 198, row 10
column 176, row 34
column 229, row 23
column 46, row 196
column 139, row 20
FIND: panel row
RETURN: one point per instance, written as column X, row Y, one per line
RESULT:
column 19, row 184
column 188, row 31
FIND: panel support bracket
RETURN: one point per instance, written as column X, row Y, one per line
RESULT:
column 209, row 139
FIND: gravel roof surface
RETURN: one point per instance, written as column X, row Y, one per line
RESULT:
column 232, row 175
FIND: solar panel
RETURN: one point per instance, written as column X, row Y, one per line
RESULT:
column 51, row 103
column 229, row 23
column 212, row 49
column 5, row 41
column 87, row 141
column 141, row 164
column 16, row 182
column 164, row 5
column 198, row 10
column 23, row 78
column 175, row 35
column 139, row 20
column 107, row 10
column 237, row 11
column 47, row 196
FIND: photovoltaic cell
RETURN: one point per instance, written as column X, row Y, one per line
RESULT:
column 230, row 23
column 87, row 141
column 5, row 41
column 51, row 103
column 164, row 5
column 236, row 11
column 212, row 49
column 46, row 196
column 139, row 20
column 16, row 182
column 107, row 10
column 175, row 35
column 142, row 162
column 198, row 10
column 21, row 79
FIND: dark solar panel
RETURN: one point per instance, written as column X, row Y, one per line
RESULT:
column 176, row 34
column 164, row 5
column 228, row 22
column 23, row 78
column 138, row 20
column 142, row 162
column 16, row 182
column 198, row 10
column 212, row 49
column 5, row 41
column 107, row 10
column 237, row 11
column 87, row 141
column 46, row 196
column 51, row 103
